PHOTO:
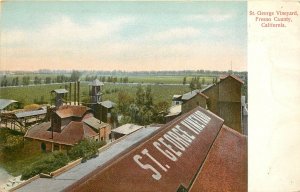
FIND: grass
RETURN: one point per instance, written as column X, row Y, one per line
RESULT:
column 16, row 167
column 21, row 155
column 29, row 94
column 32, row 94
column 165, row 79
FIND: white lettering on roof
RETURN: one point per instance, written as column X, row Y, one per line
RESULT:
column 173, row 143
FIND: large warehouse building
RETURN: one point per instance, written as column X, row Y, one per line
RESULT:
column 194, row 152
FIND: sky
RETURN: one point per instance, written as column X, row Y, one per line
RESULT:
column 130, row 36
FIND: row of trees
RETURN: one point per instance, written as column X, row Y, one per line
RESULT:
column 197, row 83
column 162, row 73
column 107, row 79
column 14, row 81
column 141, row 110
column 26, row 80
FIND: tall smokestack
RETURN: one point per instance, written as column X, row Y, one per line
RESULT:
column 66, row 96
column 78, row 92
column 75, row 93
column 70, row 92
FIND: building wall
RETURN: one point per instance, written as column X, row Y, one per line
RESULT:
column 48, row 145
column 213, row 94
column 104, row 133
column 225, row 101
column 56, row 123
column 65, row 121
column 230, row 90
column 231, row 113
column 196, row 101
column 117, row 135
column 101, row 113
column 230, row 103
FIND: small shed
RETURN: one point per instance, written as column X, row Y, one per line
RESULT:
column 6, row 102
column 125, row 130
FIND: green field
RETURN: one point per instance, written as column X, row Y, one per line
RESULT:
column 165, row 79
column 41, row 93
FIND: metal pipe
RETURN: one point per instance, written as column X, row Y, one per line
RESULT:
column 78, row 92
column 75, row 93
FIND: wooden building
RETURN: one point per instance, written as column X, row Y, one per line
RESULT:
column 185, row 103
column 222, row 98
column 192, row 100
column 225, row 100
column 125, row 130
column 69, row 125
column 104, row 111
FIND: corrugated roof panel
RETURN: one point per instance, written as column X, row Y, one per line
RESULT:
column 95, row 123
column 189, row 95
column 31, row 113
column 127, row 129
column 162, row 163
column 108, row 104
column 72, row 110
column 5, row 102
column 60, row 91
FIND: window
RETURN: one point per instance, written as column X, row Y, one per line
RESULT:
column 56, row 147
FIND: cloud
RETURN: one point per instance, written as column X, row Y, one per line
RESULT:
column 99, row 44
column 214, row 15
column 175, row 34
column 64, row 30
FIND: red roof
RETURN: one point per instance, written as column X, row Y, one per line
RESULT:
column 195, row 151
column 71, row 111
column 232, row 76
column 225, row 168
column 70, row 134
column 173, row 157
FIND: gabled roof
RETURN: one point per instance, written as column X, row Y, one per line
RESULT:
column 226, row 164
column 71, row 111
column 209, row 157
column 190, row 137
column 96, row 82
column 174, row 110
column 176, row 97
column 232, row 76
column 108, row 104
column 31, row 113
column 59, row 91
column 70, row 135
column 127, row 129
column 207, row 88
column 109, row 153
column 191, row 94
column 95, row 123
column 6, row 102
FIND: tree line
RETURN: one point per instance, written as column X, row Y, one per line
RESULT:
column 141, row 108
column 112, row 79
column 27, row 80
